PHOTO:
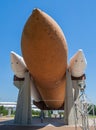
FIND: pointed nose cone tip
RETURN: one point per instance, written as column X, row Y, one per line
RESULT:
column 36, row 11
column 80, row 50
column 13, row 55
column 81, row 54
column 78, row 64
column 12, row 52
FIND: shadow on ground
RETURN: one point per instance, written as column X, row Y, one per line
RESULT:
column 36, row 124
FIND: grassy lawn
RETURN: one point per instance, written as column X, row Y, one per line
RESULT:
column 91, row 116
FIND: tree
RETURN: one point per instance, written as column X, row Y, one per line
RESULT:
column 95, row 109
column 92, row 110
column 35, row 113
column 3, row 111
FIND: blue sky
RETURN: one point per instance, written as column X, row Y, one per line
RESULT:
column 77, row 18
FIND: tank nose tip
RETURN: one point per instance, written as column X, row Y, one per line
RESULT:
column 36, row 10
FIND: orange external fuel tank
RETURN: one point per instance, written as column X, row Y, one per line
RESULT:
column 44, row 50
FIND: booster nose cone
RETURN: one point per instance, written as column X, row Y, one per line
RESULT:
column 18, row 65
column 77, row 64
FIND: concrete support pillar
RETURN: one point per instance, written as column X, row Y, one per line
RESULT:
column 76, row 89
column 69, row 118
column 46, row 113
column 23, row 110
column 9, row 111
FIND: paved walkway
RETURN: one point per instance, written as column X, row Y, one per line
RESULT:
column 7, row 123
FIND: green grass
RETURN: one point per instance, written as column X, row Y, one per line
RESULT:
column 91, row 116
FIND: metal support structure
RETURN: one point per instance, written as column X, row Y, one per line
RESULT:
column 84, row 108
